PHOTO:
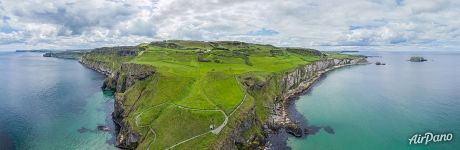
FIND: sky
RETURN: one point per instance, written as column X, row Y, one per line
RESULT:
column 321, row 24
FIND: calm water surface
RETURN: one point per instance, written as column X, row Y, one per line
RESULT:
column 49, row 103
column 381, row 107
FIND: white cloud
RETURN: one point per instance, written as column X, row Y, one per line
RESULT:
column 308, row 23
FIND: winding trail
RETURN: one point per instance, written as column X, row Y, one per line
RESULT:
column 244, row 98
column 154, row 138
column 171, row 147
column 214, row 131
column 150, row 128
column 137, row 116
column 218, row 129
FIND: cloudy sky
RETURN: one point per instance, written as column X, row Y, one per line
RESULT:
column 323, row 24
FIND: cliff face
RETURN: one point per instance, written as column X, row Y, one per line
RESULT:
column 298, row 80
column 107, row 60
column 120, row 81
column 126, row 76
column 98, row 66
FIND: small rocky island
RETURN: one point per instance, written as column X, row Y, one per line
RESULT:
column 417, row 59
column 379, row 63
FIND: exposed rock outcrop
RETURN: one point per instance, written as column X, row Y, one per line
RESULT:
column 98, row 66
column 119, row 81
column 294, row 130
column 126, row 76
column 236, row 139
column 126, row 138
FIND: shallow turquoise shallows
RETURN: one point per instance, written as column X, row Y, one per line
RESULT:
column 51, row 104
column 381, row 107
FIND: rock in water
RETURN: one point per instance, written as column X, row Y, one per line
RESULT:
column 379, row 63
column 417, row 59
column 294, row 130
column 103, row 128
column 49, row 54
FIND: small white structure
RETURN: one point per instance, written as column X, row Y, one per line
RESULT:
column 211, row 127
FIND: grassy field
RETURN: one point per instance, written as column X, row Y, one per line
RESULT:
column 197, row 85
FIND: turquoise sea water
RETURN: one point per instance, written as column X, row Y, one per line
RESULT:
column 49, row 103
column 381, row 107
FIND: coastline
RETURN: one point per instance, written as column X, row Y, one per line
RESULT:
column 293, row 84
column 291, row 122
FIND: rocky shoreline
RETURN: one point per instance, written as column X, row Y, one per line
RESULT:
column 284, row 118
column 118, row 81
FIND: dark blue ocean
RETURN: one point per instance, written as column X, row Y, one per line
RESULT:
column 49, row 103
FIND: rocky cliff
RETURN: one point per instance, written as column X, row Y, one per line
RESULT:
column 98, row 66
column 297, row 81
column 126, row 76
column 120, row 81
column 106, row 60
column 236, row 138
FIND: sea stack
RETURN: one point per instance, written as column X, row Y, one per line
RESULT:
column 379, row 63
column 417, row 59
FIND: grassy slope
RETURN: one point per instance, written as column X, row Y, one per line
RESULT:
column 197, row 81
